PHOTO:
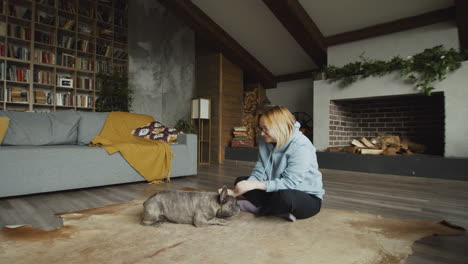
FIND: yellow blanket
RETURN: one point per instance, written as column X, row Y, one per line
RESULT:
column 151, row 158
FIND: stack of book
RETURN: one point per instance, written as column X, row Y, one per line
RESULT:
column 40, row 97
column 18, row 95
column 241, row 138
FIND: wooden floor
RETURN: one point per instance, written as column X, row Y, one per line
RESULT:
column 387, row 195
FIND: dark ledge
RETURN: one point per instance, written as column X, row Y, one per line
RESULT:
column 428, row 166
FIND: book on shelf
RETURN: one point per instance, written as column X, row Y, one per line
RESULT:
column 105, row 2
column 45, row 18
column 85, row 63
column 67, row 5
column 64, row 99
column 65, row 41
column 17, row 74
column 43, row 77
column 17, row 95
column 19, row 32
column 120, row 54
column 104, row 15
column 69, row 24
column 103, row 66
column 85, row 83
column 120, row 20
column 86, row 10
column 84, row 101
column 104, row 50
column 46, row 2
column 43, row 37
column 121, row 5
column 240, row 128
column 2, row 71
column 2, row 49
column 67, row 60
column 105, row 33
column 85, row 28
column 20, row 11
column 120, row 68
column 40, row 97
column 43, row 56
column 241, row 137
column 83, row 45
column 3, row 28
column 18, row 52
column 120, row 37
column 242, row 143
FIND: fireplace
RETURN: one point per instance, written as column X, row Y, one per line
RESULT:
column 388, row 104
column 418, row 118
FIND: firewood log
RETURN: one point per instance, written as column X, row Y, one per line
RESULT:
column 367, row 143
column 371, row 151
column 391, row 150
column 414, row 147
column 335, row 149
column 351, row 149
column 357, row 143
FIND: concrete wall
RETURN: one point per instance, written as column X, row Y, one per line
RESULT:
column 161, row 62
column 297, row 95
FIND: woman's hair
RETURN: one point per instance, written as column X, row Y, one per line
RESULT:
column 280, row 123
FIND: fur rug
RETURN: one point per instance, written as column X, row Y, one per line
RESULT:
column 112, row 234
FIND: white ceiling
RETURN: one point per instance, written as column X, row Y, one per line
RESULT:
column 338, row 16
column 256, row 29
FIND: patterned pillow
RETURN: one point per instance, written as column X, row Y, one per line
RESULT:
column 157, row 131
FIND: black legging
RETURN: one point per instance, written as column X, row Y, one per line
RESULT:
column 302, row 205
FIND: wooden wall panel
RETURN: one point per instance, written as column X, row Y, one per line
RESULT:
column 231, row 101
column 222, row 81
column 207, row 85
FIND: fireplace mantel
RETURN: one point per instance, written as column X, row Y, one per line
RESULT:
column 455, row 89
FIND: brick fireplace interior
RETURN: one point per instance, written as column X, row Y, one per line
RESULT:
column 417, row 117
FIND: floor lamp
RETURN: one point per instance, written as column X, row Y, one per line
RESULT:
column 201, row 115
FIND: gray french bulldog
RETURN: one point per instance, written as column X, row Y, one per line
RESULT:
column 189, row 207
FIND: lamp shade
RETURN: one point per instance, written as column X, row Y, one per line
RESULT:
column 201, row 108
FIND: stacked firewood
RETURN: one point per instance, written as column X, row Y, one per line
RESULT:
column 250, row 110
column 381, row 145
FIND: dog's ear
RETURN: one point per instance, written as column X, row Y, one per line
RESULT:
column 223, row 195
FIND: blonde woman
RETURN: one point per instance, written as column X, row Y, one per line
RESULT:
column 286, row 181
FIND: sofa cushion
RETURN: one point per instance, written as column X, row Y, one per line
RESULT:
column 157, row 131
column 90, row 125
column 4, row 121
column 37, row 129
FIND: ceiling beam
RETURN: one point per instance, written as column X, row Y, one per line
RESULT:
column 222, row 41
column 295, row 76
column 461, row 13
column 303, row 29
column 395, row 26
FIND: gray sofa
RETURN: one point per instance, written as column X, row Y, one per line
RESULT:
column 44, row 152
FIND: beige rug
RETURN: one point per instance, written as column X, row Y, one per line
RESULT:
column 112, row 234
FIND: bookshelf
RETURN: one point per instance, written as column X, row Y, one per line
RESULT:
column 52, row 50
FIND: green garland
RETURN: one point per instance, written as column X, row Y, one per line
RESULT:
column 421, row 69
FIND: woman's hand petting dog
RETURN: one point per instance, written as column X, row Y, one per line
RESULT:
column 246, row 186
